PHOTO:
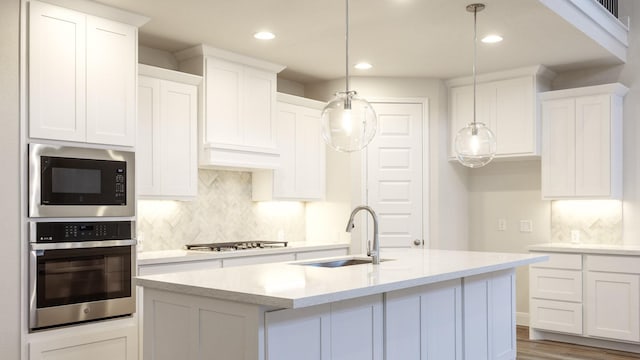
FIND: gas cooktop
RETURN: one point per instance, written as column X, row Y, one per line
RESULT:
column 236, row 245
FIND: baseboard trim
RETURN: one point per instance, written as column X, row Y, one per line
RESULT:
column 536, row 334
column 522, row 318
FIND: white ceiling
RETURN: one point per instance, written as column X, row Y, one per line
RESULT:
column 403, row 38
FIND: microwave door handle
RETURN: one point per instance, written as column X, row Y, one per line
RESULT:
column 82, row 244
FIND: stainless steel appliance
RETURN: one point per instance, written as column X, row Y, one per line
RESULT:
column 80, row 182
column 236, row 245
column 80, row 271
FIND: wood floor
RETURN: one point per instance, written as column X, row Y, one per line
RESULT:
column 551, row 350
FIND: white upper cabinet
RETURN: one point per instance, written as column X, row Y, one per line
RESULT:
column 167, row 128
column 237, row 128
column 507, row 103
column 82, row 76
column 302, row 173
column 111, row 82
column 582, row 142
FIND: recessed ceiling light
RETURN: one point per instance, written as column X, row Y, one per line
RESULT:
column 491, row 39
column 264, row 35
column 363, row 66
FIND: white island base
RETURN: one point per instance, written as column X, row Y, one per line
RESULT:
column 423, row 305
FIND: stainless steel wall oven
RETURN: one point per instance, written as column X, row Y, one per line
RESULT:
column 80, row 182
column 80, row 271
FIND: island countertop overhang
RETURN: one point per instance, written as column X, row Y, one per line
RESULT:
column 295, row 285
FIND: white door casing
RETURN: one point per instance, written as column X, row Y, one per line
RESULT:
column 394, row 177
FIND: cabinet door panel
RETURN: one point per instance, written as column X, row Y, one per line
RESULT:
column 148, row 137
column 593, row 146
column 56, row 73
column 310, row 156
column 613, row 305
column 111, row 82
column 298, row 334
column 515, row 125
column 258, row 111
column 111, row 344
column 461, row 112
column 356, row 329
column 223, row 101
column 178, row 138
column 425, row 322
column 284, row 178
column 558, row 149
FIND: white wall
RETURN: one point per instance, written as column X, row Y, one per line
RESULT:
column 448, row 183
column 156, row 57
column 9, row 186
column 508, row 190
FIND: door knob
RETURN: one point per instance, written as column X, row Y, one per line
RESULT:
column 417, row 242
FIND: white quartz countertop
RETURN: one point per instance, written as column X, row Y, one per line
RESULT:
column 292, row 285
column 173, row 256
column 604, row 249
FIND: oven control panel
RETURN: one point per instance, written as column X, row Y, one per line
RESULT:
column 82, row 231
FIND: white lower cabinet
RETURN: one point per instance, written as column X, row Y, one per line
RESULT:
column 114, row 344
column 349, row 330
column 613, row 298
column 425, row 322
column 600, row 299
column 555, row 288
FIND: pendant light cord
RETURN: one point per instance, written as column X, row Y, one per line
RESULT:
column 347, row 44
column 475, row 57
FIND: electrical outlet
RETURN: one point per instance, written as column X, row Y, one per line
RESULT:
column 575, row 236
column 502, row 224
column 526, row 226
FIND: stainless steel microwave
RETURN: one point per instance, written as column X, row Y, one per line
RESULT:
column 69, row 181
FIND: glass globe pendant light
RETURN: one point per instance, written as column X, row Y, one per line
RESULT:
column 348, row 122
column 475, row 144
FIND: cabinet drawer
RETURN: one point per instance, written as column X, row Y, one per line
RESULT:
column 262, row 259
column 554, row 284
column 556, row 316
column 154, row 269
column 621, row 264
column 321, row 254
column 561, row 261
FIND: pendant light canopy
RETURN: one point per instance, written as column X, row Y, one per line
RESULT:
column 475, row 144
column 348, row 122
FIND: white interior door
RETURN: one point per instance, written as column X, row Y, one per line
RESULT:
column 395, row 176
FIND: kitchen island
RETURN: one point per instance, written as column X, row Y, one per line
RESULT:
column 417, row 304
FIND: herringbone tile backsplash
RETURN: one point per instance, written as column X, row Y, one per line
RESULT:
column 596, row 221
column 223, row 211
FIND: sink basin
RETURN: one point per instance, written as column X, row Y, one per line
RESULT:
column 341, row 262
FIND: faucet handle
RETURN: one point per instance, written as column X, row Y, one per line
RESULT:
column 369, row 248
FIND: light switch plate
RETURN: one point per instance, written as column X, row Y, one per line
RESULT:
column 502, row 224
column 526, row 226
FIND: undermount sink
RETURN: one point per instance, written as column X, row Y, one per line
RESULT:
column 341, row 262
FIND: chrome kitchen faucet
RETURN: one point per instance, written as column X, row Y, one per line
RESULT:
column 375, row 252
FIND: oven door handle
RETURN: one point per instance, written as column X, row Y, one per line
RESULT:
column 82, row 244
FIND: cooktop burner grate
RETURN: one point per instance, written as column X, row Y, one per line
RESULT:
column 236, row 245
